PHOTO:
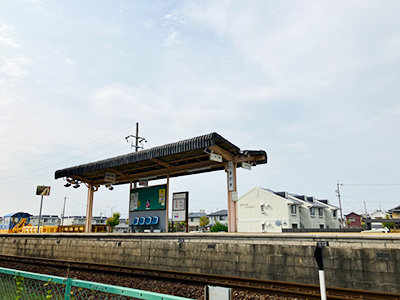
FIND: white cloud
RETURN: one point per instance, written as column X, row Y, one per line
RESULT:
column 174, row 21
column 304, row 47
column 7, row 36
column 173, row 38
column 175, row 17
column 9, row 42
column 14, row 67
column 121, row 100
column 69, row 62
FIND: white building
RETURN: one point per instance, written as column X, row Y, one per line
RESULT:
column 220, row 216
column 45, row 220
column 122, row 227
column 80, row 220
column 378, row 214
column 263, row 210
column 194, row 220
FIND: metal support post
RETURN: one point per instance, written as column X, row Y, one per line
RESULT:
column 40, row 214
column 89, row 209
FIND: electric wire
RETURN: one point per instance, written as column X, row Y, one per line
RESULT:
column 369, row 184
column 70, row 150
column 49, row 166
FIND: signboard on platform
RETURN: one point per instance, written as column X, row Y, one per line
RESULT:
column 180, row 205
column 144, row 182
column 148, row 198
column 110, row 177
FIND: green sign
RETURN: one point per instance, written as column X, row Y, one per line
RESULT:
column 148, row 198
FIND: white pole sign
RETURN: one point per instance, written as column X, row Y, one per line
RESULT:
column 231, row 186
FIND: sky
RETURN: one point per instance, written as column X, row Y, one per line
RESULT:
column 313, row 83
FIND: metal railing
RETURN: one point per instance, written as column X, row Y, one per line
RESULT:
column 21, row 285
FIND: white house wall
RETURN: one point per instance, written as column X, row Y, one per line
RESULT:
column 330, row 220
column 276, row 208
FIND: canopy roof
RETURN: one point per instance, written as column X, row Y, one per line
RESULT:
column 176, row 159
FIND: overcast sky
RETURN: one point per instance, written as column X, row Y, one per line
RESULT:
column 313, row 83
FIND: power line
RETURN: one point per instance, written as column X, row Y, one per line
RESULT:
column 369, row 184
column 61, row 153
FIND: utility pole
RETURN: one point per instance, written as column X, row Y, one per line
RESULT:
column 136, row 146
column 365, row 209
column 138, row 140
column 63, row 212
column 340, row 204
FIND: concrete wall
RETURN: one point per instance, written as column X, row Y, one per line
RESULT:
column 367, row 262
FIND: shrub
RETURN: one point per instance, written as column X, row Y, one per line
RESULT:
column 219, row 227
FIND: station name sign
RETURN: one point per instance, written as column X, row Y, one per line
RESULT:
column 110, row 177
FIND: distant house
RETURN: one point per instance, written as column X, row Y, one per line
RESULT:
column 81, row 220
column 45, row 220
column 122, row 227
column 395, row 212
column 194, row 220
column 378, row 214
column 220, row 216
column 264, row 210
column 353, row 220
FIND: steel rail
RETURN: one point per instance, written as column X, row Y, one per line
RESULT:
column 282, row 288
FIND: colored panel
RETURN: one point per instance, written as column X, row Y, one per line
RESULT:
column 148, row 198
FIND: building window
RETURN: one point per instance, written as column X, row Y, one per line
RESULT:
column 262, row 208
column 312, row 211
column 263, row 226
column 191, row 220
column 294, row 225
column 334, row 213
column 222, row 218
column 352, row 219
column 293, row 209
column 321, row 226
column 320, row 212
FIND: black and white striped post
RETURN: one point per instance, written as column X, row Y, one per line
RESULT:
column 321, row 272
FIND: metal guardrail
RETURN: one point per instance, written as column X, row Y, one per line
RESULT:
column 21, row 285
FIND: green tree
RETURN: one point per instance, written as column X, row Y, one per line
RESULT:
column 113, row 221
column 348, row 223
column 219, row 227
column 204, row 221
column 179, row 226
column 388, row 225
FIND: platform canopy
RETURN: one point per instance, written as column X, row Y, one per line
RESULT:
column 182, row 158
column 206, row 153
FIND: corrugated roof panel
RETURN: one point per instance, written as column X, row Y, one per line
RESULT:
column 167, row 151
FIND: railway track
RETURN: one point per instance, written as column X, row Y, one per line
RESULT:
column 281, row 288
